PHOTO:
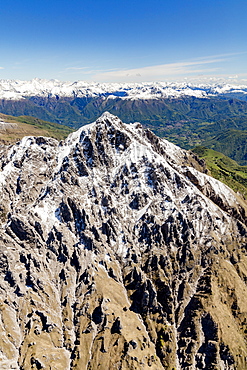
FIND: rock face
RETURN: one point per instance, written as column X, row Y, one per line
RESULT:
column 118, row 252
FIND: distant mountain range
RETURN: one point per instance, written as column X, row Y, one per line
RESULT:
column 17, row 89
column 213, row 115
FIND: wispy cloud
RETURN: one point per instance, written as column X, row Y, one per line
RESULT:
column 207, row 66
column 198, row 66
column 75, row 68
column 86, row 70
column 1, row 67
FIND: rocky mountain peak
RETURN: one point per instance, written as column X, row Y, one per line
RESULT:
column 119, row 251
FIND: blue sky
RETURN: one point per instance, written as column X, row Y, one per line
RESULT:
column 123, row 41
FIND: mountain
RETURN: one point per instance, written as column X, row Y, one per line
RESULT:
column 17, row 89
column 119, row 251
column 186, row 114
column 13, row 129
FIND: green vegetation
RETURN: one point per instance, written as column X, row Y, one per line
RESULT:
column 232, row 143
column 224, row 169
column 29, row 126
column 56, row 130
column 217, row 123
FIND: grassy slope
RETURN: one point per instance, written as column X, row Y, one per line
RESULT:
column 30, row 126
column 232, row 143
column 224, row 169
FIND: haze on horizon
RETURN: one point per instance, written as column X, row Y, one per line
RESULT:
column 124, row 41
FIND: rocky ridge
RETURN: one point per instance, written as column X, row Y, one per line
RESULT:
column 118, row 251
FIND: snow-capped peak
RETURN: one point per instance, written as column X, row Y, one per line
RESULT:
column 17, row 89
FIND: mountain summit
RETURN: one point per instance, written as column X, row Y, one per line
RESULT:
column 118, row 251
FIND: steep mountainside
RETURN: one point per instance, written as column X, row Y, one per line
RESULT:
column 118, row 252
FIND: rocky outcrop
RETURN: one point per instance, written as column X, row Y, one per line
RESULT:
column 119, row 252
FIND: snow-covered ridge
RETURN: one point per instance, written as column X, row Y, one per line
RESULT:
column 17, row 89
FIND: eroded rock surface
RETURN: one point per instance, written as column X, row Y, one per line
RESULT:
column 118, row 252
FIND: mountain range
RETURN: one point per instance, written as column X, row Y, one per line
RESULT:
column 118, row 250
column 213, row 115
column 17, row 89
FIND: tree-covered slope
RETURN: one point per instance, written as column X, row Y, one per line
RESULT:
column 232, row 143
